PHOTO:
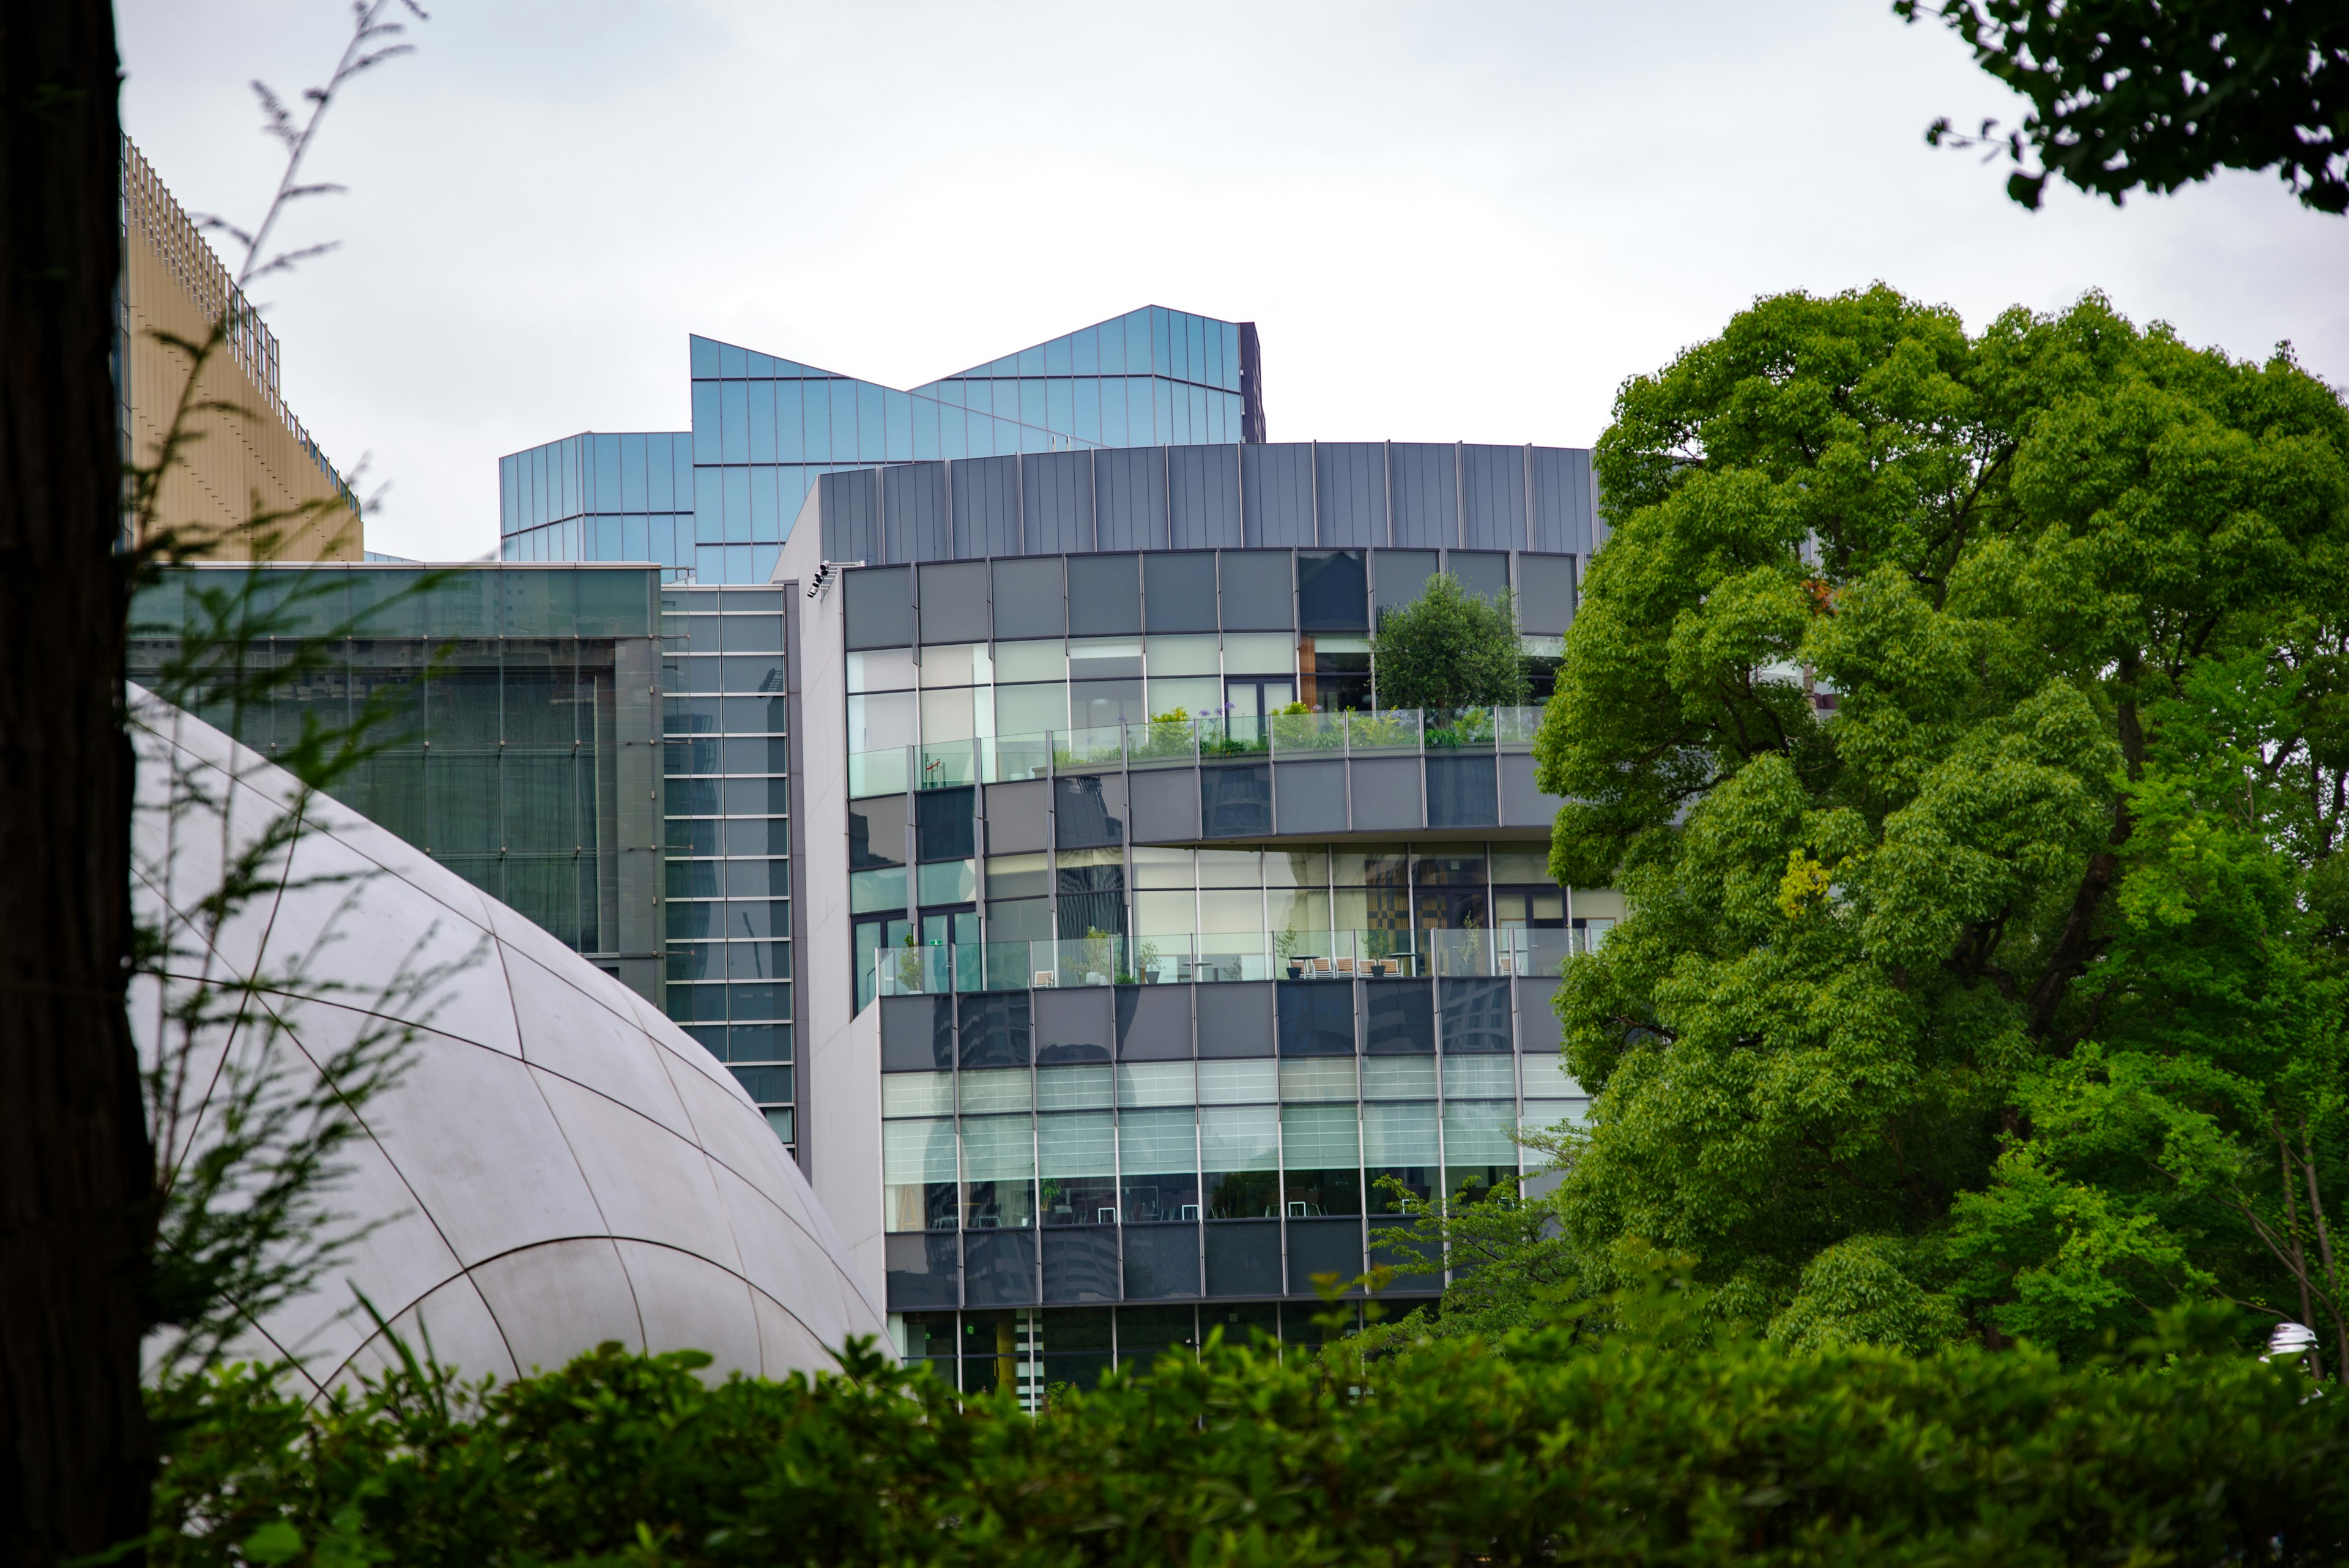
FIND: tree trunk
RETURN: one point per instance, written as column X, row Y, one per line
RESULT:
column 73, row 1165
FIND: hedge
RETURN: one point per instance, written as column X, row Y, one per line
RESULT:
column 1451, row 1452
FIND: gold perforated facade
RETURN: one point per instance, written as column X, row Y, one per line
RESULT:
column 244, row 474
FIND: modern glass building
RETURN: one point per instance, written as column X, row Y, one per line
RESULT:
column 713, row 504
column 1144, row 957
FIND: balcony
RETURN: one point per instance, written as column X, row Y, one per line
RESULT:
column 1210, row 958
column 1404, row 770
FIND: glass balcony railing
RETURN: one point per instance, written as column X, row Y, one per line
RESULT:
column 1214, row 957
column 1517, row 727
column 1458, row 729
column 1162, row 742
column 1389, row 733
column 1308, row 734
column 1169, row 742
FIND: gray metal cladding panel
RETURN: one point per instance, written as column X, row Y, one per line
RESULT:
column 1130, row 498
column 1352, row 492
column 1523, row 805
column 1028, row 599
column 1235, row 800
column 1544, row 595
column 1483, row 573
column 1398, row 576
column 852, row 517
column 916, row 1034
column 1474, row 1012
column 1561, row 500
column 925, row 1271
column 1105, row 595
column 1257, row 593
column 880, row 610
column 914, row 503
column 1310, row 797
column 1462, row 792
column 1162, row 1262
column 1000, row 1268
column 1381, row 1255
column 1426, row 484
column 1332, row 590
column 1539, row 1028
column 1493, row 497
column 1385, row 793
column 876, row 832
column 1397, row 1018
column 954, row 601
column 1316, row 1017
column 1277, row 494
column 1057, row 488
column 986, row 507
column 1203, row 497
column 1165, row 804
column 1236, row 1019
column 1088, row 811
column 1243, row 1258
column 1019, row 819
column 1322, row 1247
column 1178, row 590
column 1075, row 1025
column 1154, row 1022
column 1080, row 1263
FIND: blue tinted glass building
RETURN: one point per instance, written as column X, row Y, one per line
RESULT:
column 714, row 505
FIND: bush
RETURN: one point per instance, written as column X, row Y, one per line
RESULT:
column 1446, row 1453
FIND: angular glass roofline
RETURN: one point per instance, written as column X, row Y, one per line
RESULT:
column 1152, row 341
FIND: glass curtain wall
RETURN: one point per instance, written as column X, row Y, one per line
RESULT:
column 1152, row 377
column 1030, row 1350
column 1263, row 1135
column 727, row 835
column 499, row 756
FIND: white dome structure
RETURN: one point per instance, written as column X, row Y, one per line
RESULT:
column 558, row 1166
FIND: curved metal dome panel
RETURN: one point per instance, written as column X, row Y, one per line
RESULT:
column 558, row 1166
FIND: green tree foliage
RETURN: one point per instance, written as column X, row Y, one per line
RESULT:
column 1627, row 1454
column 2013, row 967
column 2125, row 95
column 1448, row 648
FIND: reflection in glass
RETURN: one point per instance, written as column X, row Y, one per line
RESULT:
column 1004, row 1205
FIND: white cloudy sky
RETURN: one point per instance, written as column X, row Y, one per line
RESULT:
column 1455, row 220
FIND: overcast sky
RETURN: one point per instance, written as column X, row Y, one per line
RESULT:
column 1449, row 221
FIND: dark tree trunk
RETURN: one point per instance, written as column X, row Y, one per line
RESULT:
column 74, row 1165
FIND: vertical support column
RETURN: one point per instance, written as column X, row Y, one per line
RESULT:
column 802, row 1130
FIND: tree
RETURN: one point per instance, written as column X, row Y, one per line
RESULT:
column 2127, row 96
column 73, row 1147
column 1963, row 719
column 1448, row 648
column 87, row 1212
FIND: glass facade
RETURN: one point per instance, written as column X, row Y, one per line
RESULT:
column 1032, row 1351
column 1188, row 962
column 1180, row 1142
column 1152, row 377
column 726, row 897
column 520, row 731
column 713, row 504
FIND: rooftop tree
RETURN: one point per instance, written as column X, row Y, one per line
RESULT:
column 1448, row 648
